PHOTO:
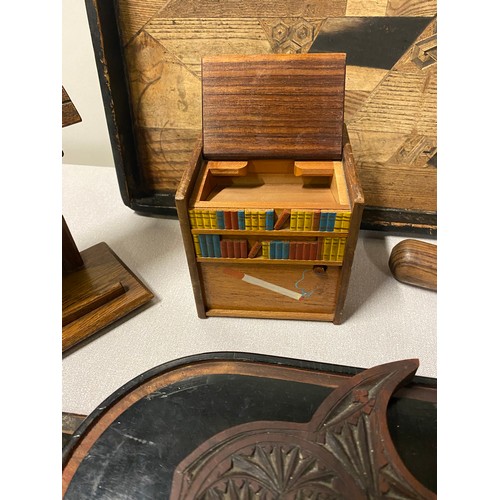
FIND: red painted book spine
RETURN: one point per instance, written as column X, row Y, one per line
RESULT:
column 315, row 221
column 227, row 220
column 313, row 250
column 243, row 249
column 234, row 219
column 236, row 249
column 223, row 249
column 319, row 253
column 254, row 250
column 230, row 249
column 299, row 252
column 293, row 250
column 282, row 219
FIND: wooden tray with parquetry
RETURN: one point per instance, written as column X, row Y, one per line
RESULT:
column 148, row 56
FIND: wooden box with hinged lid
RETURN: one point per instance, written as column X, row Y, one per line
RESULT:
column 270, row 205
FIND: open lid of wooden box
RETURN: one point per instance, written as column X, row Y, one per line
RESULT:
column 273, row 106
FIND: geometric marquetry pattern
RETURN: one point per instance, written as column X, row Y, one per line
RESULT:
column 390, row 93
column 344, row 452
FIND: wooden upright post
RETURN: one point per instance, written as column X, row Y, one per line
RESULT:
column 97, row 287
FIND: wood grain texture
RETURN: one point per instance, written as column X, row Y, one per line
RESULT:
column 70, row 114
column 163, row 44
column 415, row 263
column 102, row 270
column 344, row 451
column 357, row 199
column 366, row 7
column 182, row 199
column 214, row 367
column 411, row 7
column 273, row 106
column 260, row 287
column 132, row 16
column 394, row 131
column 226, row 292
column 71, row 258
column 262, row 9
column 314, row 168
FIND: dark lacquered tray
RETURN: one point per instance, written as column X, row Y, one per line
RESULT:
column 160, row 435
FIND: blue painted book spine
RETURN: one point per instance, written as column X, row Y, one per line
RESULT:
column 322, row 221
column 269, row 220
column 203, row 245
column 272, row 250
column 330, row 224
column 241, row 219
column 220, row 219
column 279, row 249
column 216, row 245
column 210, row 246
column 286, row 250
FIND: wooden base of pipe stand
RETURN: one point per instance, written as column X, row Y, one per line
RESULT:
column 97, row 289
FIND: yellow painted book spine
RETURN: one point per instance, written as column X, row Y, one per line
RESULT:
column 213, row 219
column 206, row 218
column 192, row 218
column 265, row 249
column 346, row 222
column 327, row 245
column 199, row 219
column 338, row 222
column 334, row 249
column 308, row 218
column 255, row 220
column 300, row 220
column 248, row 220
column 261, row 214
column 340, row 254
column 293, row 220
column 197, row 247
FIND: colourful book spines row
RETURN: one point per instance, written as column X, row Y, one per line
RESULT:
column 319, row 220
column 211, row 245
column 250, row 220
column 291, row 250
column 264, row 220
column 259, row 220
column 216, row 219
column 334, row 249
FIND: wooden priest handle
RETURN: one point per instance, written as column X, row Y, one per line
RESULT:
column 228, row 168
column 314, row 168
column 415, row 263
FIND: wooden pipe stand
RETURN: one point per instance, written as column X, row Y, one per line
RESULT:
column 97, row 287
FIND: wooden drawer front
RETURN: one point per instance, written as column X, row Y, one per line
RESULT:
column 283, row 288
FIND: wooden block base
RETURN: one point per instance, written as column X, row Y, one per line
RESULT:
column 101, row 292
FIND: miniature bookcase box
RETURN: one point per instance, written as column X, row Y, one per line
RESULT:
column 270, row 204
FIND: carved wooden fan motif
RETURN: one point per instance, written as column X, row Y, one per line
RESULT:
column 344, row 452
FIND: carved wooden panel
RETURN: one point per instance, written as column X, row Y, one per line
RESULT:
column 292, row 426
column 343, row 452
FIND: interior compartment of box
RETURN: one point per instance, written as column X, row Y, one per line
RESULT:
column 272, row 184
